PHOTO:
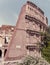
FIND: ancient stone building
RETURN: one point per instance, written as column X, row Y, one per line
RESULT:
column 22, row 40
column 26, row 37
column 6, row 32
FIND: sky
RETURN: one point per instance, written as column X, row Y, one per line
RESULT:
column 10, row 9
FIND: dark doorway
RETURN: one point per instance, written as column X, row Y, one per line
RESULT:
column 0, row 53
column 5, row 52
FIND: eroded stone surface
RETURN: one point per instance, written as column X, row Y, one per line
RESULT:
column 30, row 61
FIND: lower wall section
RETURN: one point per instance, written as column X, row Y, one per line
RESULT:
column 10, row 64
column 15, row 62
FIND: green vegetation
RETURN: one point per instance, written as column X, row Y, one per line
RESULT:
column 29, row 60
column 46, row 52
column 49, row 29
column 46, row 49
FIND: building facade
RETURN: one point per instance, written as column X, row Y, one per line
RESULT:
column 26, row 35
column 21, row 40
column 6, row 32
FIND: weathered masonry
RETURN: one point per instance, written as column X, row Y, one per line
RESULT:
column 26, row 35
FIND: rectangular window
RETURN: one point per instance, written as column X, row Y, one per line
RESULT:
column 6, row 40
column 28, row 17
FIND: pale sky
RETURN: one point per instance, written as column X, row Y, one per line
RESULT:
column 10, row 9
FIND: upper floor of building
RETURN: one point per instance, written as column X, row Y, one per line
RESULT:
column 34, row 13
column 6, row 32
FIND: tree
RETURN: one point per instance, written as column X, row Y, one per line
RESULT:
column 49, row 29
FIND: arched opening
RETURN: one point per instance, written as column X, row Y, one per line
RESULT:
column 6, row 40
column 0, row 53
column 5, row 52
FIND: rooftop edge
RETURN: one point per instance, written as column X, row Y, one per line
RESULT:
column 33, row 5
